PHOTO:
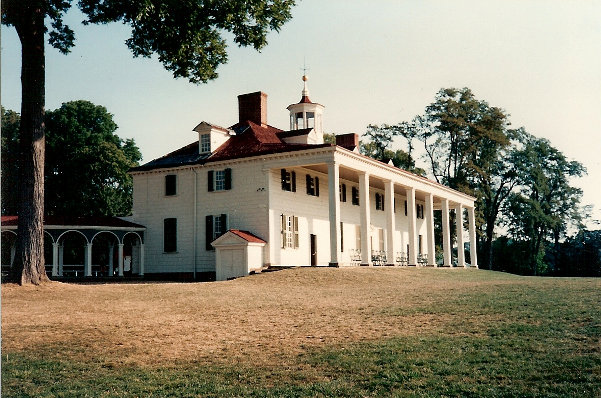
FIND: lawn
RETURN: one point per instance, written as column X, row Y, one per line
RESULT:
column 307, row 332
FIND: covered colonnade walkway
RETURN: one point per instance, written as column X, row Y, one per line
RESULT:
column 77, row 247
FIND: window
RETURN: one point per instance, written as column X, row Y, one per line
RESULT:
column 419, row 244
column 310, row 120
column 420, row 211
column 220, row 180
column 215, row 226
column 170, row 185
column 379, row 201
column 299, row 121
column 289, row 231
column 342, row 192
column 170, row 235
column 312, row 185
column 355, row 196
column 288, row 179
column 205, row 143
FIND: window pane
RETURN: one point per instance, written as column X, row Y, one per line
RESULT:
column 220, row 180
column 169, row 235
column 310, row 120
column 205, row 143
column 170, row 185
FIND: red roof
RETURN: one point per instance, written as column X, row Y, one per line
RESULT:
column 247, row 236
column 87, row 221
column 252, row 140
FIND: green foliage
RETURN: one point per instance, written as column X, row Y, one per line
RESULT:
column 546, row 204
column 10, row 163
column 187, row 36
column 86, row 163
column 329, row 138
column 381, row 138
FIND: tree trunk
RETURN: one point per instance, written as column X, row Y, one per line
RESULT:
column 29, row 261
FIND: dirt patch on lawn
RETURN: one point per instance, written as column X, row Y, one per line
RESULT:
column 258, row 319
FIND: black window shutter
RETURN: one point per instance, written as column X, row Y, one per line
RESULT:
column 316, row 186
column 293, row 178
column 405, row 207
column 228, row 178
column 343, row 193
column 308, row 183
column 283, row 178
column 210, row 180
column 223, row 224
column 209, row 232
column 381, row 202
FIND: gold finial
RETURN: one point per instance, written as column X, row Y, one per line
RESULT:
column 305, row 78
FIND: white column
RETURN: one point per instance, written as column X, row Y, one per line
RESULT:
column 473, row 244
column 460, row 244
column 141, row 259
column 411, row 210
column 365, row 218
column 87, row 269
column 54, row 259
column 111, row 251
column 446, row 235
column 334, row 212
column 120, row 259
column 390, row 224
column 61, row 252
column 430, row 243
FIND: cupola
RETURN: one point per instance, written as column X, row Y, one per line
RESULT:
column 307, row 114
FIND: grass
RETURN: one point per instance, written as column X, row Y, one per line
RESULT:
column 308, row 332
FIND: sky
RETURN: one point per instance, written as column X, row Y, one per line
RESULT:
column 369, row 62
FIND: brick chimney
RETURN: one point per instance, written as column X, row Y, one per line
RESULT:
column 253, row 107
column 348, row 141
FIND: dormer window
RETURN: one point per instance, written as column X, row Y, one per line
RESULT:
column 205, row 143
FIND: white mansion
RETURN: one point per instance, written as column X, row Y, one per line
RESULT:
column 252, row 195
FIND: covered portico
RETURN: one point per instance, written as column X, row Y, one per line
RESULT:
column 123, row 240
column 401, row 221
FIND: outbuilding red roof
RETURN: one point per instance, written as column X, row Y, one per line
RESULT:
column 247, row 236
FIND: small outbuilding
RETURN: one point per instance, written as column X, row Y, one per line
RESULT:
column 237, row 254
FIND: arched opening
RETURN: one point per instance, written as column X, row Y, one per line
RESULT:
column 72, row 252
column 105, row 260
column 48, row 253
column 8, row 250
column 131, row 254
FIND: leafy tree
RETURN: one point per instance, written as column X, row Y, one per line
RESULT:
column 86, row 163
column 10, row 165
column 546, row 203
column 580, row 255
column 329, row 138
column 380, row 139
column 185, row 35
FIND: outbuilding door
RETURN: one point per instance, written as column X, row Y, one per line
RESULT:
column 232, row 264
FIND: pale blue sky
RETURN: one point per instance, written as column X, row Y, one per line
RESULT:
column 369, row 62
